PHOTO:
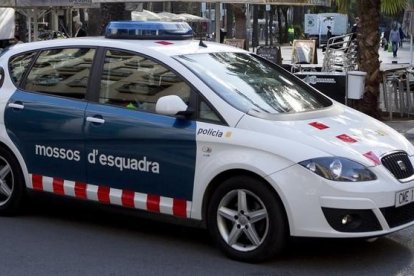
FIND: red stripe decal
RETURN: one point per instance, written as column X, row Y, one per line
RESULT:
column 318, row 125
column 179, row 207
column 80, row 190
column 164, row 42
column 346, row 138
column 58, row 186
column 374, row 158
column 103, row 194
column 153, row 203
column 37, row 182
column 128, row 198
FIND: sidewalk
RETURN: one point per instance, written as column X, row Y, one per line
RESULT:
column 403, row 55
column 404, row 126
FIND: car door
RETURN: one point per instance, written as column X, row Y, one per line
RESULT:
column 45, row 116
column 131, row 149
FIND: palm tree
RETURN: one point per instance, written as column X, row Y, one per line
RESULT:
column 369, row 41
column 239, row 11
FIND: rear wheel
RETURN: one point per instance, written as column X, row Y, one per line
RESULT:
column 11, row 183
column 246, row 219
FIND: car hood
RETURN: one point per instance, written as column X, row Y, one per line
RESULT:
column 339, row 131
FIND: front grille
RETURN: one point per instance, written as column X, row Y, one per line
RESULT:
column 398, row 164
column 397, row 216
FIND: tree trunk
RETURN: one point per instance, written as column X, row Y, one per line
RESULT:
column 266, row 28
column 230, row 21
column 255, row 27
column 298, row 15
column 270, row 27
column 368, row 41
column 279, row 24
column 240, row 19
column 286, row 27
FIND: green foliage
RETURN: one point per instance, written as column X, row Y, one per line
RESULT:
column 392, row 7
column 343, row 5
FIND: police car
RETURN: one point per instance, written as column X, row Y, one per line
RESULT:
column 148, row 119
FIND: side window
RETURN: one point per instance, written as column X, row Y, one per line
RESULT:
column 61, row 72
column 18, row 66
column 135, row 82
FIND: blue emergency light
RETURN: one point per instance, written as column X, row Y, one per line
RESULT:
column 148, row 30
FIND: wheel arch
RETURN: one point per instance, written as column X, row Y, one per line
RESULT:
column 19, row 159
column 218, row 179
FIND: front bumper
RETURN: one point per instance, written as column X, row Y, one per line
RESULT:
column 317, row 207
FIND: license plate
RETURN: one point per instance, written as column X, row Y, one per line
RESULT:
column 404, row 197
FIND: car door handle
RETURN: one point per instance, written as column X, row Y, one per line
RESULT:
column 16, row 105
column 95, row 120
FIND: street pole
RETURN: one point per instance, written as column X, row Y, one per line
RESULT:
column 217, row 20
column 411, row 49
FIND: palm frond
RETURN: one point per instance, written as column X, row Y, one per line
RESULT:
column 343, row 5
column 393, row 6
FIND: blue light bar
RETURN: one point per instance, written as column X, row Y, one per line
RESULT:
column 148, row 30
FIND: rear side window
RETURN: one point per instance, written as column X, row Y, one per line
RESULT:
column 18, row 66
column 61, row 72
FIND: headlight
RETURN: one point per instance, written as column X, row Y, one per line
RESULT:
column 339, row 169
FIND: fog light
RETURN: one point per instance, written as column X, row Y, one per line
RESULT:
column 347, row 219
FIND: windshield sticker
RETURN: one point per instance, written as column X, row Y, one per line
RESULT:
column 94, row 157
column 318, row 125
column 346, row 138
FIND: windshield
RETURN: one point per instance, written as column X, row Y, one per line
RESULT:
column 252, row 84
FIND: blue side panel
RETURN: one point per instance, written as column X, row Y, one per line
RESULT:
column 140, row 151
column 48, row 132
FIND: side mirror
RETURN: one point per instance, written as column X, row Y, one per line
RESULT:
column 171, row 105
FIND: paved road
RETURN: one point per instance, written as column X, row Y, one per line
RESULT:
column 69, row 237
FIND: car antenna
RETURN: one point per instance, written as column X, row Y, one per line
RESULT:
column 202, row 44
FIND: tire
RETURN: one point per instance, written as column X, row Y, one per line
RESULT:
column 246, row 220
column 11, row 183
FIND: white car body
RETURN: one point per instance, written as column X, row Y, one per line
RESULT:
column 268, row 147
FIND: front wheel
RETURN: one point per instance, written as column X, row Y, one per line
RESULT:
column 246, row 219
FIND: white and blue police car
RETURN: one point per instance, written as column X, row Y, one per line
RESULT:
column 145, row 118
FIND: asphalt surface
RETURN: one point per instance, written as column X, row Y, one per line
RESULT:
column 59, row 236
column 405, row 127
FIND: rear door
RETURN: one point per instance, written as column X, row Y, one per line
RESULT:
column 45, row 116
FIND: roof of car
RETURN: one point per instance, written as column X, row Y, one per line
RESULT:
column 165, row 47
